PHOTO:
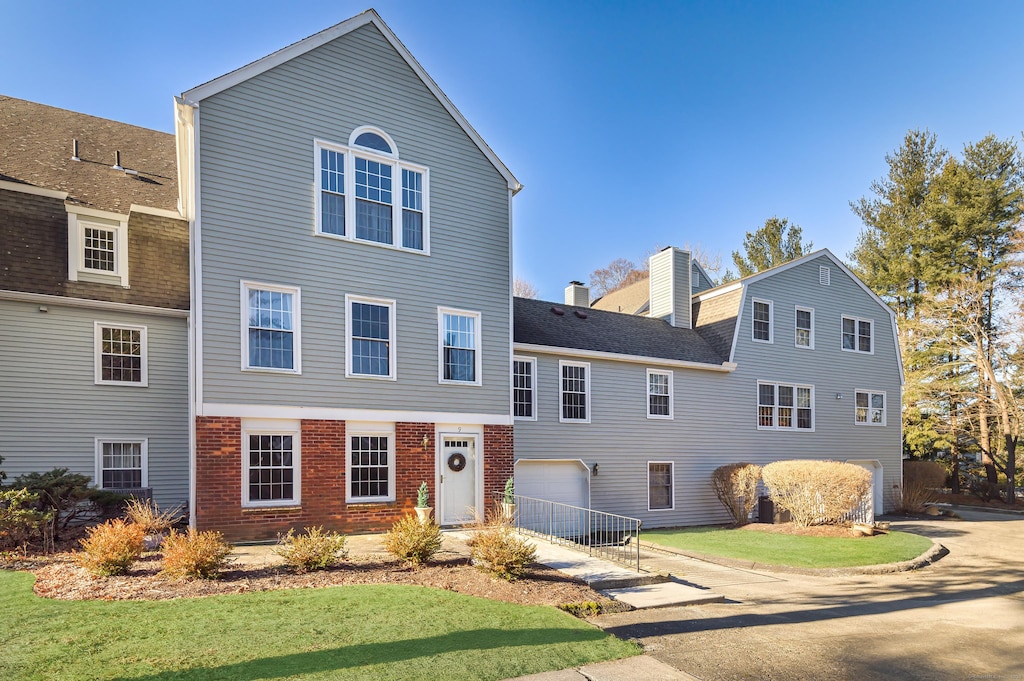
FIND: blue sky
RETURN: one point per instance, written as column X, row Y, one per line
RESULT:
column 632, row 125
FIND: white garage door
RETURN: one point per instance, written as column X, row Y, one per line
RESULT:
column 567, row 482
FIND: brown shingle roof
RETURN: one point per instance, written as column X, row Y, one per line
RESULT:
column 631, row 299
column 35, row 149
column 715, row 319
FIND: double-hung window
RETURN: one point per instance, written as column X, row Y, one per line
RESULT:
column 370, row 337
column 660, row 483
column 271, row 464
column 366, row 193
column 659, row 394
column 804, row 327
column 574, row 391
column 785, row 407
column 270, row 322
column 857, row 334
column 371, row 462
column 121, row 355
column 122, row 464
column 524, row 393
column 459, row 346
column 870, row 408
column 762, row 321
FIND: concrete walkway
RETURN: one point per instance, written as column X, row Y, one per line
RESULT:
column 641, row 668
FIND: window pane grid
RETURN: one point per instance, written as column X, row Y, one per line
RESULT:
column 777, row 405
column 522, row 388
column 369, row 466
column 270, row 329
column 99, row 249
column 659, row 481
column 121, row 355
column 122, row 465
column 271, row 468
column 857, row 334
column 371, row 335
column 459, row 348
column 332, row 185
column 658, row 398
column 574, row 393
column 803, row 328
column 762, row 321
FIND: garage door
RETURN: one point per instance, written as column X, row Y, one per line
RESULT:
column 567, row 482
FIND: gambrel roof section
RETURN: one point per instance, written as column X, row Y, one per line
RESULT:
column 228, row 80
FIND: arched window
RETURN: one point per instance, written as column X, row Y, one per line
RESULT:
column 367, row 194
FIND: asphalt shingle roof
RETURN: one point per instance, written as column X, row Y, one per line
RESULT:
column 36, row 149
column 602, row 331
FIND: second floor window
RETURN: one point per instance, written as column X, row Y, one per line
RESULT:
column 659, row 394
column 524, row 396
column 804, row 327
column 575, row 392
column 870, row 408
column 121, row 354
column 762, row 321
column 460, row 338
column 272, row 321
column 785, row 407
column 371, row 337
column 857, row 334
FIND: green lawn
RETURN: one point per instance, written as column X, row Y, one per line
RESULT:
column 792, row 550
column 348, row 632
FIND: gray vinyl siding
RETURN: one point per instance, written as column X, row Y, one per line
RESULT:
column 715, row 414
column 51, row 410
column 670, row 286
column 257, row 218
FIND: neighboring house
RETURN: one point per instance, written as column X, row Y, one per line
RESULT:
column 94, row 295
column 631, row 413
column 351, row 243
column 635, row 298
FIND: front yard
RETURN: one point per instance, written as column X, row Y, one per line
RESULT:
column 350, row 632
column 774, row 548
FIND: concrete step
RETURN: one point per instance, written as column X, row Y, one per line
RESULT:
column 663, row 595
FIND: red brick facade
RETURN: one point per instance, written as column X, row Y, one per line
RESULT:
column 219, row 479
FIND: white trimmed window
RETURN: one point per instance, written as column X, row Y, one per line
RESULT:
column 270, row 328
column 659, row 394
column 785, row 407
column 271, row 464
column 121, row 355
column 660, row 486
column 458, row 346
column 804, row 327
column 365, row 193
column 857, row 334
column 98, row 247
column 370, row 462
column 370, row 337
column 524, row 392
column 870, row 408
column 574, row 391
column 122, row 464
column 761, row 321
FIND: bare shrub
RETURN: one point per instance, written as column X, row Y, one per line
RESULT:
column 20, row 522
column 314, row 549
column 111, row 548
column 735, row 484
column 816, row 492
column 192, row 554
column 496, row 548
column 413, row 541
column 920, row 480
column 146, row 514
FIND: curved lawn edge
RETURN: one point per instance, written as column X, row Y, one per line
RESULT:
column 930, row 556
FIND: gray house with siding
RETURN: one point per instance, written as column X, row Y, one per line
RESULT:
column 351, row 287
column 630, row 413
column 94, row 299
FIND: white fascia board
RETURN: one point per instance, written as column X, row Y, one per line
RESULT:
column 95, row 213
column 717, row 291
column 260, row 411
column 65, row 301
column 160, row 212
column 726, row 367
column 32, row 189
column 197, row 94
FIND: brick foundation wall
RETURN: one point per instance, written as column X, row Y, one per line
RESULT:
column 219, row 475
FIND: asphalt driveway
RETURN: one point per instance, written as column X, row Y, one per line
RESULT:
column 961, row 618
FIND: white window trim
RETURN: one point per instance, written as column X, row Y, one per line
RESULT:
column 100, row 441
column 245, row 287
column 671, row 394
column 98, row 354
column 392, row 331
column 532, row 361
column 478, row 356
column 350, row 191
column 885, row 408
column 672, row 486
column 856, row 336
column 590, row 378
column 771, row 320
column 78, row 221
column 775, row 419
column 796, row 310
column 356, row 429
column 273, row 427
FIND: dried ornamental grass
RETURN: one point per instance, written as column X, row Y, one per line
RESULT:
column 110, row 549
column 816, row 492
column 920, row 480
column 413, row 541
column 735, row 484
column 496, row 549
column 192, row 554
column 145, row 513
column 314, row 549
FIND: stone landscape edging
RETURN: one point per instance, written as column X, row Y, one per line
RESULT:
column 930, row 556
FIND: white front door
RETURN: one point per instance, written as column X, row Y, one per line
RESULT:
column 458, row 479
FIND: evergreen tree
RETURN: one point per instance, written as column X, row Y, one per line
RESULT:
column 775, row 243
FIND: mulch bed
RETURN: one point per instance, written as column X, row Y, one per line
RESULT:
column 813, row 531
column 971, row 500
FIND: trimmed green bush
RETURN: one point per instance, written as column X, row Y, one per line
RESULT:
column 413, row 541
column 314, row 549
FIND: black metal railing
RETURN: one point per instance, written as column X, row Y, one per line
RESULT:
column 603, row 535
